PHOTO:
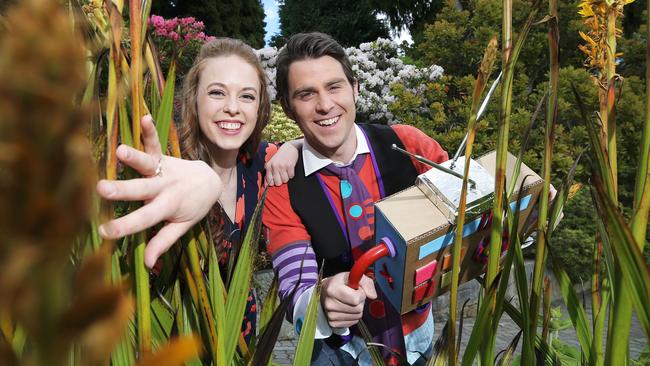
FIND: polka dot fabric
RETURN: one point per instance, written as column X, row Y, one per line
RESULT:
column 357, row 204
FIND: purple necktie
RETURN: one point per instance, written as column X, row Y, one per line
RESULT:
column 382, row 319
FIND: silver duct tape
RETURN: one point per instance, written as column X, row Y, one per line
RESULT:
column 444, row 189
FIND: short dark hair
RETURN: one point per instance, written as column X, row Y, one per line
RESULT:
column 304, row 46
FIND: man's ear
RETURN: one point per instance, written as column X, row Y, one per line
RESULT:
column 287, row 109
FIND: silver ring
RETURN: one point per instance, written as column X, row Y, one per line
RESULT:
column 159, row 169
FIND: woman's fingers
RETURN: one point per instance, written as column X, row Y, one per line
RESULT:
column 163, row 240
column 150, row 137
column 138, row 220
column 138, row 189
column 145, row 163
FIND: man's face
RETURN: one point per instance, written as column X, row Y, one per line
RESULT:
column 322, row 102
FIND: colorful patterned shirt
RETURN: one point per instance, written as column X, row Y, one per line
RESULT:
column 289, row 243
column 250, row 182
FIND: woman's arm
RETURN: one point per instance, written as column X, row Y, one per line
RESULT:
column 175, row 191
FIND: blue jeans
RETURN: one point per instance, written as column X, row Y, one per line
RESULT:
column 324, row 355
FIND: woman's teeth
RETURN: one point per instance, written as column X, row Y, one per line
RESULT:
column 229, row 125
column 328, row 122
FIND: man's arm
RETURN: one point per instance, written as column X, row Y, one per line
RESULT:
column 418, row 142
column 295, row 262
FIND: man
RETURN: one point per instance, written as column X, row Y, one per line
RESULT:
column 325, row 215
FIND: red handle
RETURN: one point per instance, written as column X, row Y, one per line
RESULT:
column 385, row 248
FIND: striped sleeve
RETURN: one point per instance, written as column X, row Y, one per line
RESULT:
column 289, row 245
column 297, row 269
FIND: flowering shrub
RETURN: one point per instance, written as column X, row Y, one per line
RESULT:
column 378, row 67
column 180, row 31
column 267, row 57
column 178, row 38
column 280, row 128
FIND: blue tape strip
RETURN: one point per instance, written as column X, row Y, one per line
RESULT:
column 524, row 203
column 468, row 229
column 447, row 239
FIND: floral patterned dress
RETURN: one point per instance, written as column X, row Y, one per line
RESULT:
column 250, row 180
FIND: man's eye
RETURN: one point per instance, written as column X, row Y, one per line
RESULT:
column 305, row 95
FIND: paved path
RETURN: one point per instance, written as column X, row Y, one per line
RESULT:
column 286, row 345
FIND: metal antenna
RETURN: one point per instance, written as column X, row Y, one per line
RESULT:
column 430, row 163
column 479, row 116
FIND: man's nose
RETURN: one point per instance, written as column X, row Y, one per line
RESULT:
column 324, row 103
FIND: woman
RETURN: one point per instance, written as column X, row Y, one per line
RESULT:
column 225, row 108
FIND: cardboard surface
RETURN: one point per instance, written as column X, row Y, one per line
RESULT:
column 422, row 234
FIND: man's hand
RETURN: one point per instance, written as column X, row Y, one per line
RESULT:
column 343, row 305
column 175, row 191
column 281, row 166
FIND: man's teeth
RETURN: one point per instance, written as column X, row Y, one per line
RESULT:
column 328, row 122
column 229, row 125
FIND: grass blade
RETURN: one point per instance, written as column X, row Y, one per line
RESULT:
column 481, row 81
column 240, row 283
column 628, row 256
column 440, row 354
column 481, row 326
column 308, row 330
column 508, row 355
column 164, row 115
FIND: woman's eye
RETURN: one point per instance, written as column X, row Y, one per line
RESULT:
column 248, row 97
column 216, row 93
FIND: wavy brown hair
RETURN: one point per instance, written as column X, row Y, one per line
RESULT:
column 194, row 144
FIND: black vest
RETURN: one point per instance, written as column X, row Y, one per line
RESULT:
column 310, row 202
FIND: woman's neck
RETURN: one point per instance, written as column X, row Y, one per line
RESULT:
column 224, row 161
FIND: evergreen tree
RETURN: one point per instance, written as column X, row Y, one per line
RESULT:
column 243, row 19
column 350, row 22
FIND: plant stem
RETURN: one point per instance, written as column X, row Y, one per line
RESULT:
column 551, row 117
column 143, row 307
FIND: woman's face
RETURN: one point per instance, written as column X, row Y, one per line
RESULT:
column 228, row 97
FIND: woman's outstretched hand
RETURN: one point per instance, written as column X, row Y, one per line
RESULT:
column 175, row 191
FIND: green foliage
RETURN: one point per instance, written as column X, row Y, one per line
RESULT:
column 242, row 19
column 350, row 22
column 280, row 128
column 456, row 39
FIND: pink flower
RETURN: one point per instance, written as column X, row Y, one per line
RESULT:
column 156, row 20
column 187, row 21
column 174, row 36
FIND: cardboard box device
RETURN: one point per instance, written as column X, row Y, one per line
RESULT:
column 423, row 237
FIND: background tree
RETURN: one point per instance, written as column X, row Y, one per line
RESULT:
column 350, row 22
column 243, row 19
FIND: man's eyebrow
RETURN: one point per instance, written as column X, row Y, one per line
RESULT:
column 302, row 90
column 335, row 81
column 311, row 89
